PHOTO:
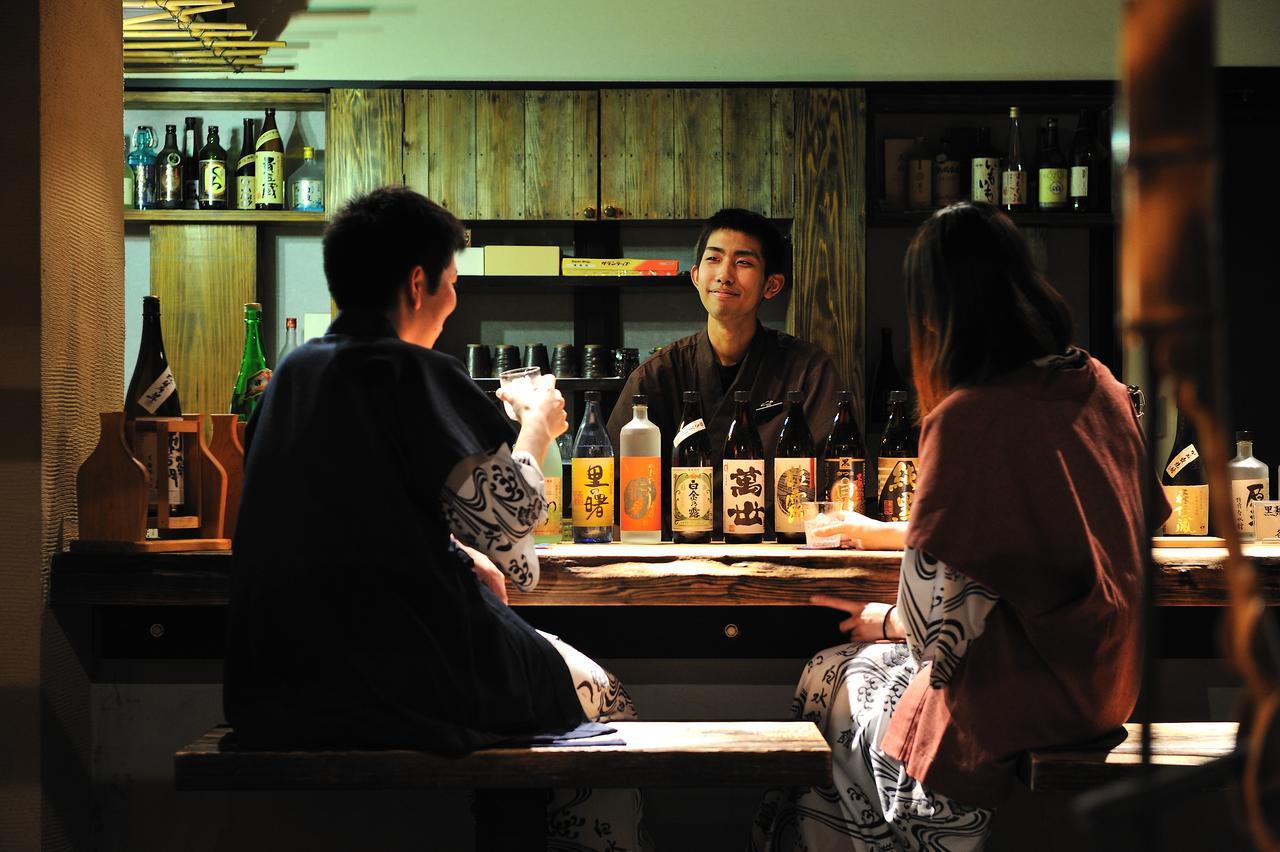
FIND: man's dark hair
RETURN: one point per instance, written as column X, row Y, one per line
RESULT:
column 376, row 240
column 772, row 245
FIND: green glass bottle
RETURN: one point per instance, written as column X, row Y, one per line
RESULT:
column 254, row 373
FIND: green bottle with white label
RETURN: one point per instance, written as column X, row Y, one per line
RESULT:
column 251, row 382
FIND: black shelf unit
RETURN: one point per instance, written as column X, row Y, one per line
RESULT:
column 524, row 283
column 1027, row 219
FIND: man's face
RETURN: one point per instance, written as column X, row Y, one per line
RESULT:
column 730, row 276
column 434, row 308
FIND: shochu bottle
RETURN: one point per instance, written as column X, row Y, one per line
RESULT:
column 153, row 393
column 254, row 374
column 268, row 166
column 899, row 458
column 592, row 477
column 793, row 473
column 244, row 167
column 692, row 481
column 743, row 477
column 844, row 460
column 1185, row 484
column 640, row 476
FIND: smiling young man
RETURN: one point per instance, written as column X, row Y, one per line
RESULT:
column 740, row 264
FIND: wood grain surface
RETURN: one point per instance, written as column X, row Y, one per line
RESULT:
column 111, row 487
column 550, row 191
column 364, row 131
column 204, row 275
column 451, row 140
column 829, row 292
column 782, row 194
column 229, row 99
column 653, row 754
column 500, row 147
column 748, row 160
column 698, row 116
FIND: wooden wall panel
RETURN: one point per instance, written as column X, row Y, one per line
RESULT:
column 829, row 287
column 549, row 138
column 748, row 132
column 416, row 144
column 203, row 275
column 700, row 171
column 650, row 145
column 586, row 153
column 613, row 150
column 782, row 194
column 451, row 143
column 364, row 132
column 500, row 146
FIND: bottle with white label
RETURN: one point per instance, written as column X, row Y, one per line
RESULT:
column 549, row 529
column 1250, row 482
column 640, row 481
column 794, row 473
column 153, row 393
column 1054, row 178
column 1013, row 176
column 693, row 503
column 1082, row 157
column 742, row 475
column 984, row 170
column 1185, row 485
column 306, row 185
column 268, row 164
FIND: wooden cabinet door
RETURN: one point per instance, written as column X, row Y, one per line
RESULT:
column 686, row 153
column 503, row 154
column 363, row 130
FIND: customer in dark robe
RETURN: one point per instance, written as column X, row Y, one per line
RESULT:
column 740, row 263
column 1015, row 625
column 381, row 488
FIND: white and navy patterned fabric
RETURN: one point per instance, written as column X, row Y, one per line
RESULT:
column 587, row 820
column 850, row 692
column 492, row 502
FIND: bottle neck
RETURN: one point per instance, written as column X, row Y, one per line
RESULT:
column 151, row 335
column 1244, row 449
column 692, row 411
column 640, row 412
column 252, row 339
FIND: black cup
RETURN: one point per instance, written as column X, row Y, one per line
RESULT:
column 564, row 361
column 624, row 361
column 505, row 357
column 535, row 355
column 479, row 364
column 595, row 361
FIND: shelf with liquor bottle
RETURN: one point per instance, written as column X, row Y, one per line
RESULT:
column 931, row 144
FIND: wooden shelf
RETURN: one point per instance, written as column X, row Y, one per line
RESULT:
column 611, row 383
column 1029, row 219
column 227, row 217
column 225, row 99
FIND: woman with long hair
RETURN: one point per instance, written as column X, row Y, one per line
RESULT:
column 1015, row 622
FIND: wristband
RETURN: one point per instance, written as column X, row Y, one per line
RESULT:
column 884, row 625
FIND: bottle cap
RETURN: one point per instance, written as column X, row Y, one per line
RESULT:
column 172, row 127
column 308, row 152
column 593, row 396
column 842, row 396
column 898, row 396
column 151, row 305
column 742, row 396
column 794, row 396
column 290, row 322
column 1244, row 435
column 639, row 399
column 252, row 306
column 1014, row 112
column 690, row 396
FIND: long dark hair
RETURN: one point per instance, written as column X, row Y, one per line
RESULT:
column 976, row 306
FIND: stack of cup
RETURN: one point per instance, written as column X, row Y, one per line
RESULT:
column 479, row 364
column 595, row 361
column 564, row 361
column 535, row 355
column 505, row 357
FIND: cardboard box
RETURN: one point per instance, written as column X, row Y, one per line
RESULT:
column 470, row 261
column 521, row 260
column 590, row 266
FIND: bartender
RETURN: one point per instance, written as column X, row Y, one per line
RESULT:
column 739, row 263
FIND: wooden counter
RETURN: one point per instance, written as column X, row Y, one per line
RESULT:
column 639, row 575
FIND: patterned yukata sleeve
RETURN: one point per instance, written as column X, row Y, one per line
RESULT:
column 942, row 611
column 492, row 502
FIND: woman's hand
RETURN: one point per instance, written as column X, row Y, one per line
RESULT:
column 486, row 571
column 867, row 621
column 857, row 530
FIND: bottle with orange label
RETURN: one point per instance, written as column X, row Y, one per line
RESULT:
column 640, row 492
column 592, row 477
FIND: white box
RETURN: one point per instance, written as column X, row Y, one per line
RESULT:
column 470, row 261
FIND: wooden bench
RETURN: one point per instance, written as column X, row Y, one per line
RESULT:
column 1079, row 768
column 511, row 782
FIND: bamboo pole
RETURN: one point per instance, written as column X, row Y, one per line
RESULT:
column 192, row 60
column 145, row 37
column 193, row 54
column 175, row 69
column 170, row 25
column 192, row 11
column 209, row 43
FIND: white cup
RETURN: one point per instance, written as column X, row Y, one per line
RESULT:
column 518, row 380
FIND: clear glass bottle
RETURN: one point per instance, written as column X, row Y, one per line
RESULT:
column 306, row 184
column 1250, row 482
column 254, row 375
column 549, row 530
column 742, row 477
column 899, row 459
column 640, row 480
column 692, row 477
column 592, row 477
column 794, row 473
column 290, row 338
column 128, row 177
column 142, row 163
column 1013, row 174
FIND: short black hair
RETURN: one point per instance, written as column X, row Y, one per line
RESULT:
column 772, row 244
column 376, row 240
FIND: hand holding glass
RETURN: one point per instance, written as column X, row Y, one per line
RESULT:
column 518, row 384
column 823, row 522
